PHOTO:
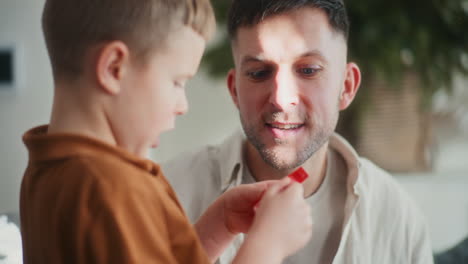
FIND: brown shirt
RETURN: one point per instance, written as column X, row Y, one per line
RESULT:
column 83, row 201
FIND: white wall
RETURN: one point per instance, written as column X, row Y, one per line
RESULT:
column 29, row 104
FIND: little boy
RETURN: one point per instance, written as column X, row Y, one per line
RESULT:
column 89, row 195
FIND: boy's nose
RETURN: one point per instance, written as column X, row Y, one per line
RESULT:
column 182, row 104
column 284, row 92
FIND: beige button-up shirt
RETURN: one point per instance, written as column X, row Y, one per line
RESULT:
column 381, row 223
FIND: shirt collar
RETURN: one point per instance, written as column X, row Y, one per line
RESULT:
column 341, row 146
column 354, row 185
column 232, row 161
column 47, row 147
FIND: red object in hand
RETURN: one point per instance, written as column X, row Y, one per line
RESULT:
column 299, row 175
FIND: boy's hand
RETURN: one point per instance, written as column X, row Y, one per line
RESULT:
column 283, row 221
column 239, row 202
column 232, row 213
column 282, row 226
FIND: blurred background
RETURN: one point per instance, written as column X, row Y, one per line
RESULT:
column 411, row 116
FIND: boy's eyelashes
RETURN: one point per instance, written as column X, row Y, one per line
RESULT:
column 180, row 83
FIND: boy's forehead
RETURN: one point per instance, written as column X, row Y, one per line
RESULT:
column 183, row 51
column 180, row 37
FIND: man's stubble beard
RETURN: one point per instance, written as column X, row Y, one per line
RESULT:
column 319, row 136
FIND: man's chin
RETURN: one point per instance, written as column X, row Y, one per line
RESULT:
column 283, row 165
column 281, row 149
column 280, row 158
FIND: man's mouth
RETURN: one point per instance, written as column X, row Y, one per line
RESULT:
column 281, row 130
column 285, row 126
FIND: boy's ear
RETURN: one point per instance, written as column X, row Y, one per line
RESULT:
column 112, row 63
column 231, row 84
column 351, row 85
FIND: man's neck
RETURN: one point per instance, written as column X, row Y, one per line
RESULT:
column 315, row 166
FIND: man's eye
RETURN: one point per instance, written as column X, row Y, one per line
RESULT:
column 259, row 75
column 307, row 71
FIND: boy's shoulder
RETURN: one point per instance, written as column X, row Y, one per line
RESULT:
column 102, row 170
column 113, row 176
column 85, row 166
column 89, row 179
column 101, row 195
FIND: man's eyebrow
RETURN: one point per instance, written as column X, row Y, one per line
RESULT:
column 313, row 53
column 248, row 58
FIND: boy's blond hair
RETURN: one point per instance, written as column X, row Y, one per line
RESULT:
column 72, row 27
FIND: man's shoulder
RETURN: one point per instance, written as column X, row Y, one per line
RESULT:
column 372, row 182
column 206, row 162
column 389, row 211
column 196, row 179
column 192, row 162
column 376, row 181
column 199, row 156
column 381, row 190
column 371, row 175
column 198, row 176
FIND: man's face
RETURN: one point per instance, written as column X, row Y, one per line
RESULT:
column 287, row 84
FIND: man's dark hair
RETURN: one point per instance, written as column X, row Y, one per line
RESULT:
column 246, row 13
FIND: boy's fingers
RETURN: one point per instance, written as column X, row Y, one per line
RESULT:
column 295, row 187
column 263, row 185
column 278, row 186
column 254, row 191
column 257, row 190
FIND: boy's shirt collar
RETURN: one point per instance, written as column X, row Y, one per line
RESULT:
column 48, row 147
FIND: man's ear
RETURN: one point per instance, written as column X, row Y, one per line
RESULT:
column 112, row 62
column 351, row 85
column 231, row 84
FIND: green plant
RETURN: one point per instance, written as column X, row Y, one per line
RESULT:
column 427, row 37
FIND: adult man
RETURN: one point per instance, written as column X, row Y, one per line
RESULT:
column 290, row 81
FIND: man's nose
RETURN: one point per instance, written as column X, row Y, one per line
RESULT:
column 284, row 91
